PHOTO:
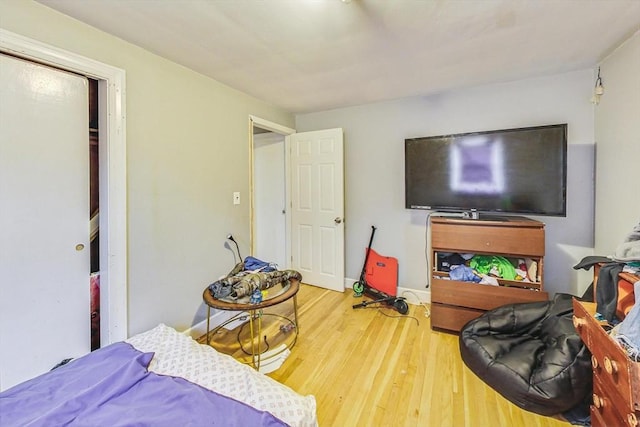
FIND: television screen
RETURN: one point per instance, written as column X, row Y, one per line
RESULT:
column 511, row 171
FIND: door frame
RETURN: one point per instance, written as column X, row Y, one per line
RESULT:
column 284, row 131
column 112, row 154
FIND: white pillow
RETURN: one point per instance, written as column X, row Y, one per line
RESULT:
column 179, row 355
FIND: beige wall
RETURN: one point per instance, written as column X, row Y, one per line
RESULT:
column 187, row 152
column 617, row 124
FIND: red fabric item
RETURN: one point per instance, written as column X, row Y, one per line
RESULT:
column 382, row 273
column 94, row 288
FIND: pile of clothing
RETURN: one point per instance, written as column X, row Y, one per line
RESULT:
column 486, row 269
column 250, row 276
column 627, row 332
column 625, row 259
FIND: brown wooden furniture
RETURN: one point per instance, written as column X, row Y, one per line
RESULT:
column 616, row 378
column 454, row 303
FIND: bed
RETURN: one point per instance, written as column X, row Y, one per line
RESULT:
column 157, row 378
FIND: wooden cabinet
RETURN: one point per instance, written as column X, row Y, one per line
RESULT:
column 616, row 378
column 454, row 302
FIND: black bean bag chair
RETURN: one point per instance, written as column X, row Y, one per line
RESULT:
column 531, row 354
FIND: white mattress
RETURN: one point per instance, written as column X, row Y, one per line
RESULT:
column 179, row 355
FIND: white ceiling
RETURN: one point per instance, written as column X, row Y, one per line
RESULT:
column 313, row 55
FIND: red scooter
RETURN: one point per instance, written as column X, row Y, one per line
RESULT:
column 362, row 287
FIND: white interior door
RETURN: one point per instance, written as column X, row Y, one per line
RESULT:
column 317, row 207
column 44, row 217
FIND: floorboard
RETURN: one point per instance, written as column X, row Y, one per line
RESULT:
column 373, row 367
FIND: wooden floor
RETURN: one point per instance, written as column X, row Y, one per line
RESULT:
column 366, row 368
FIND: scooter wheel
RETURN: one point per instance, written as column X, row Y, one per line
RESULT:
column 401, row 306
column 358, row 288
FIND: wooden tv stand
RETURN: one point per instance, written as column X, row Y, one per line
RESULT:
column 453, row 302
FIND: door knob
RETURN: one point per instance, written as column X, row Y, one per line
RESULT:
column 79, row 247
column 338, row 220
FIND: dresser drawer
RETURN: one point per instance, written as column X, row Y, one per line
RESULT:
column 481, row 297
column 604, row 411
column 451, row 318
column 596, row 418
column 492, row 237
column 616, row 373
column 581, row 322
column 614, row 367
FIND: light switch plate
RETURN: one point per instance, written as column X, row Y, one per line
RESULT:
column 236, row 198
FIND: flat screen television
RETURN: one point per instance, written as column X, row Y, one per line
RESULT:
column 520, row 171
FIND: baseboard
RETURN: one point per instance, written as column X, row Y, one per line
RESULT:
column 413, row 296
column 216, row 319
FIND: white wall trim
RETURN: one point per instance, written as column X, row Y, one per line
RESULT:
column 113, row 196
column 413, row 296
column 286, row 132
column 216, row 319
column 270, row 126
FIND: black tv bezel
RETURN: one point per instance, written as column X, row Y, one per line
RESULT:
column 472, row 212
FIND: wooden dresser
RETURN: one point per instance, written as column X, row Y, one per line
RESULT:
column 454, row 302
column 616, row 378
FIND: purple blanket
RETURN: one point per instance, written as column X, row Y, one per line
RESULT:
column 112, row 387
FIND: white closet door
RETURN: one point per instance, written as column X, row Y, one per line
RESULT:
column 44, row 219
